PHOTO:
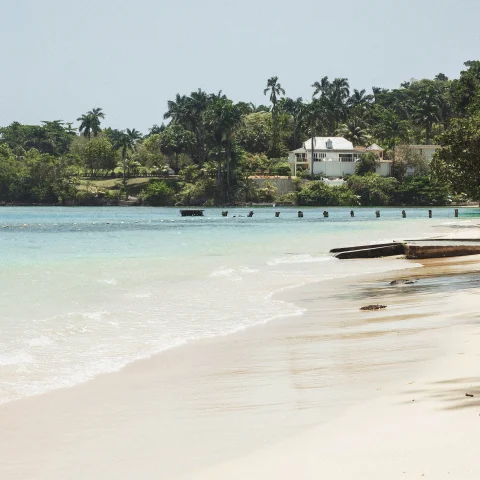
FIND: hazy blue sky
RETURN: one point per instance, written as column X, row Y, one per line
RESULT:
column 61, row 58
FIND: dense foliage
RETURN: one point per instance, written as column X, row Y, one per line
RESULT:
column 212, row 147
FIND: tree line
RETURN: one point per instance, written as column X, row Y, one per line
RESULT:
column 214, row 143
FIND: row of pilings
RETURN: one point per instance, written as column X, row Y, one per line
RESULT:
column 326, row 214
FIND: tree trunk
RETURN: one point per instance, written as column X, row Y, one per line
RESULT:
column 294, row 134
column 219, row 172
column 311, row 158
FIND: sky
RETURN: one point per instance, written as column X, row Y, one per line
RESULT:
column 61, row 58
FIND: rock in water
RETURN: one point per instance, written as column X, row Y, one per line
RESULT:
column 402, row 282
column 373, row 307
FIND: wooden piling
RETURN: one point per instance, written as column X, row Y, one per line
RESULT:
column 191, row 213
column 456, row 212
column 300, row 214
column 404, row 214
column 430, row 214
column 377, row 213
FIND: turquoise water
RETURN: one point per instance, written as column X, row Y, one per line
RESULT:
column 84, row 291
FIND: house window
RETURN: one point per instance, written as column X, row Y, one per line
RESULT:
column 300, row 157
column 346, row 157
column 319, row 157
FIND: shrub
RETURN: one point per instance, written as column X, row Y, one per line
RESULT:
column 367, row 163
column 157, row 193
column 266, row 193
column 372, row 189
column 422, row 190
column 282, row 168
column 317, row 193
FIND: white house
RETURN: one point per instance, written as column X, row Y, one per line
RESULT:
column 334, row 157
column 426, row 150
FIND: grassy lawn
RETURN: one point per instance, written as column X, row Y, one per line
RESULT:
column 134, row 185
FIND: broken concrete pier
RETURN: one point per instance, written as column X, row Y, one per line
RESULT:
column 412, row 249
column 439, row 251
column 369, row 251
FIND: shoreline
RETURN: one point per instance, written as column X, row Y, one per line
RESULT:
column 182, row 383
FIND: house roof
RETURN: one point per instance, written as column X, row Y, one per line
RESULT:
column 374, row 146
column 299, row 150
column 320, row 143
column 425, row 146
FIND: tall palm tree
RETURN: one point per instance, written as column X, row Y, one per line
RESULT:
column 223, row 119
column 359, row 98
column 427, row 112
column 86, row 125
column 354, row 130
column 339, row 94
column 177, row 110
column 293, row 107
column 378, row 93
column 197, row 105
column 321, row 87
column 313, row 116
column 90, row 122
column 96, row 114
column 259, row 108
column 190, row 113
column 69, row 129
column 276, row 90
column 341, row 88
column 126, row 141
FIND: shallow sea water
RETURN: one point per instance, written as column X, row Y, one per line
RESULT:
column 85, row 291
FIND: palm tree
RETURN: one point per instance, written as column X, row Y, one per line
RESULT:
column 96, row 114
column 321, row 87
column 293, row 107
column 341, row 88
column 358, row 99
column 275, row 90
column 176, row 139
column 338, row 96
column 190, row 113
column 388, row 127
column 177, row 110
column 90, row 122
column 378, row 92
column 312, row 116
column 427, row 112
column 354, row 130
column 223, row 119
column 197, row 105
column 260, row 108
column 126, row 141
column 86, row 125
column 69, row 129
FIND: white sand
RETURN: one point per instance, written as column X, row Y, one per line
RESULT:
column 428, row 427
column 325, row 395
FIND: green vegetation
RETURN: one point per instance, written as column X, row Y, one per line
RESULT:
column 212, row 148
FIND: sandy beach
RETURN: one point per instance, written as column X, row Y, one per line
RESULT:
column 334, row 392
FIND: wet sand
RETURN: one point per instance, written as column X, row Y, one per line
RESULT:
column 335, row 393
